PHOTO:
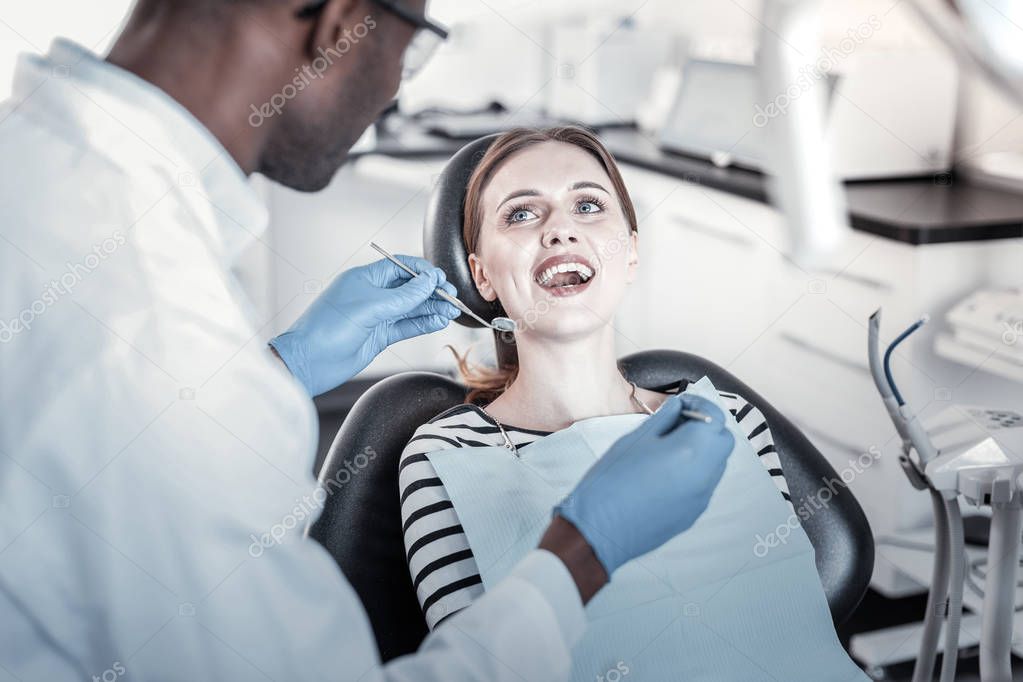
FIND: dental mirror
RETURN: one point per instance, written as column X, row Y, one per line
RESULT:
column 501, row 324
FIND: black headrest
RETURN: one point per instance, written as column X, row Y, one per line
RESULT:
column 442, row 229
column 361, row 522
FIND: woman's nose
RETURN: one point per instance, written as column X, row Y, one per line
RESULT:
column 560, row 232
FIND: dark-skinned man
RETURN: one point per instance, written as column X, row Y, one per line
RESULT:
column 149, row 436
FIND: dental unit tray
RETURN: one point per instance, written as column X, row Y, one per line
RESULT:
column 975, row 452
column 977, row 462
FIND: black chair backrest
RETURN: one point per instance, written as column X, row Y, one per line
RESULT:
column 361, row 520
column 442, row 228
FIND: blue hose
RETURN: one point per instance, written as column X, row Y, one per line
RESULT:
column 888, row 356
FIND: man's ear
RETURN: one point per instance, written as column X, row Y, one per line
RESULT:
column 479, row 277
column 330, row 23
column 633, row 252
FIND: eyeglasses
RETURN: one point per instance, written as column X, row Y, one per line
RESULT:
column 424, row 43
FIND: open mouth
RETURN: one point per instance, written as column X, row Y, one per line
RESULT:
column 564, row 274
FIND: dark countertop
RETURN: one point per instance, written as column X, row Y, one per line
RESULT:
column 930, row 210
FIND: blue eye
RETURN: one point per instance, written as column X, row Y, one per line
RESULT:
column 518, row 214
column 589, row 205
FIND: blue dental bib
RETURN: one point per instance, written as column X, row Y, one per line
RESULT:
column 709, row 605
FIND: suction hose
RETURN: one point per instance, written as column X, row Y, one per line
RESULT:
column 923, row 671
column 999, row 593
column 957, row 558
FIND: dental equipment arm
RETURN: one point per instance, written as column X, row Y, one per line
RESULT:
column 948, row 572
column 906, row 423
column 986, row 471
column 983, row 36
column 804, row 187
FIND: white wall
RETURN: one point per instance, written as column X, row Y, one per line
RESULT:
column 988, row 120
column 312, row 236
column 30, row 26
column 513, row 67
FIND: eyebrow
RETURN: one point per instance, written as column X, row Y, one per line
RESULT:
column 583, row 184
column 519, row 193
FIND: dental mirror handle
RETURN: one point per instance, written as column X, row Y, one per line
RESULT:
column 464, row 308
column 440, row 292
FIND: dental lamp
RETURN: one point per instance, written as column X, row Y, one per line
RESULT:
column 984, row 466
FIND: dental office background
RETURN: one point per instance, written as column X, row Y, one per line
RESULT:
column 901, row 106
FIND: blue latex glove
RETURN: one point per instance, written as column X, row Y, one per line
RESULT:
column 364, row 310
column 652, row 484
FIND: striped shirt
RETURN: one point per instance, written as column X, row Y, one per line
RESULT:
column 441, row 563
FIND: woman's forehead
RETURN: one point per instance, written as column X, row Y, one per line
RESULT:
column 548, row 167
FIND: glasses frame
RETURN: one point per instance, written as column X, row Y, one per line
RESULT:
column 428, row 36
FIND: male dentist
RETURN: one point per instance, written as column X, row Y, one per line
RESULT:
column 147, row 435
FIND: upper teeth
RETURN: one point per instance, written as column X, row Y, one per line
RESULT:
column 584, row 272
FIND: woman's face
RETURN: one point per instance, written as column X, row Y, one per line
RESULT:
column 554, row 245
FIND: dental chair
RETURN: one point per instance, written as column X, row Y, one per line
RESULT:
column 361, row 521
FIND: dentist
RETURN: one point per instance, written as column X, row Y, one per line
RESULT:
column 149, row 441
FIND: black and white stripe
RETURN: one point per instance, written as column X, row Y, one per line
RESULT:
column 440, row 560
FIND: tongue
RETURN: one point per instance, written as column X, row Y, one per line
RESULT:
column 564, row 279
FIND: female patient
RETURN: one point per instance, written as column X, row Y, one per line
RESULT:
column 552, row 235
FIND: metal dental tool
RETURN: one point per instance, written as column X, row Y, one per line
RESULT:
column 501, row 324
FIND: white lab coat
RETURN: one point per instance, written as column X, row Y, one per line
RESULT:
column 150, row 443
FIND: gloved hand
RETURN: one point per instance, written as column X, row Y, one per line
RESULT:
column 364, row 310
column 652, row 484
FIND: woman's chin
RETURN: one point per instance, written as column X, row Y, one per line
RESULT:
column 568, row 322
column 566, row 311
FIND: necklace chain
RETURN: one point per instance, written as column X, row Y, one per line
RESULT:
column 636, row 400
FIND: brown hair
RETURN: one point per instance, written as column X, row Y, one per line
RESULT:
column 487, row 383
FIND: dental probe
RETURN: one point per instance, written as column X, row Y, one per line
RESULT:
column 501, row 324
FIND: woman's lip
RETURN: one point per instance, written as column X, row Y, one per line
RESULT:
column 570, row 290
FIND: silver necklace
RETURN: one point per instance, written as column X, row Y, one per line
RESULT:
column 511, row 446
